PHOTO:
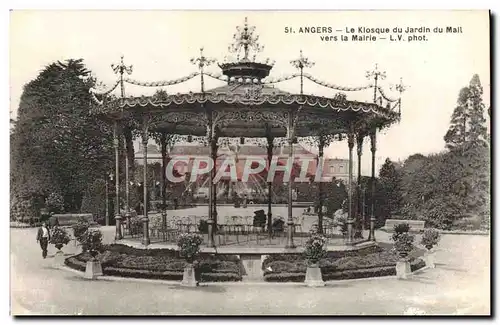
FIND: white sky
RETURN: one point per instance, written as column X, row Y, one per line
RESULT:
column 159, row 44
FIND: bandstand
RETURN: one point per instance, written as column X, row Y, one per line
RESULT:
column 246, row 107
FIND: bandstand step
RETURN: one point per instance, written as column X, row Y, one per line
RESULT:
column 252, row 267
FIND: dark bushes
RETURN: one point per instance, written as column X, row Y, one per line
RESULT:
column 164, row 264
column 373, row 263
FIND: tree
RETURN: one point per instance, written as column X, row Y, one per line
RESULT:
column 335, row 196
column 470, row 152
column 456, row 136
column 467, row 126
column 57, row 146
column 390, row 179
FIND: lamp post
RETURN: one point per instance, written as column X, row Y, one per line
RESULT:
column 301, row 63
column 376, row 75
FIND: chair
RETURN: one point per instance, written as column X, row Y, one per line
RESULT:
column 249, row 224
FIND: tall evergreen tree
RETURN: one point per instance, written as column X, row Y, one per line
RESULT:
column 478, row 133
column 57, row 146
column 456, row 136
column 390, row 180
column 468, row 123
column 469, row 157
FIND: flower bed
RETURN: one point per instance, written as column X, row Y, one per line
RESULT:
column 164, row 264
column 376, row 262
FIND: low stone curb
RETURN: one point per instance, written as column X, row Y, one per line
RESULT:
column 475, row 233
column 21, row 226
column 239, row 283
column 447, row 232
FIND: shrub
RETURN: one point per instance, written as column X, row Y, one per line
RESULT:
column 121, row 260
column 282, row 266
column 59, row 237
column 189, row 246
column 416, row 264
column 260, row 218
column 21, row 208
column 156, row 222
column 404, row 244
column 430, row 238
column 203, row 227
column 285, row 277
column 55, row 202
column 360, row 273
column 341, row 272
column 220, row 277
column 94, row 199
column 81, row 226
column 75, row 263
column 92, row 242
column 145, row 274
column 400, row 229
column 315, row 248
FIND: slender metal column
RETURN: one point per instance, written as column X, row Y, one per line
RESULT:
column 120, row 69
column 210, row 221
column 373, row 140
column 127, row 188
column 359, row 205
column 214, row 185
column 163, row 144
column 321, row 147
column 270, row 148
column 145, row 220
column 289, row 241
column 350, row 220
column 118, row 218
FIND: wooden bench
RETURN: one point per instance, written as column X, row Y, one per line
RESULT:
column 69, row 219
column 415, row 225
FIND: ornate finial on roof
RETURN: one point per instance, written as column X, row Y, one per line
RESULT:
column 301, row 63
column 202, row 61
column 401, row 88
column 245, row 40
column 121, row 68
column 375, row 73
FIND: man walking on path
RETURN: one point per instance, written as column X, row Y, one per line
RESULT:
column 43, row 236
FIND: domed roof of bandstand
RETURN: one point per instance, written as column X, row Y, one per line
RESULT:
column 248, row 105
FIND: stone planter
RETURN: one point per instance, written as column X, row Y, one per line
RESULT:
column 59, row 259
column 403, row 269
column 314, row 278
column 189, row 277
column 429, row 258
column 93, row 270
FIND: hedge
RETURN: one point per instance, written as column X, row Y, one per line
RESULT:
column 377, row 262
column 164, row 264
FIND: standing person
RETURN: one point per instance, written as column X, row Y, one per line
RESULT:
column 43, row 236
